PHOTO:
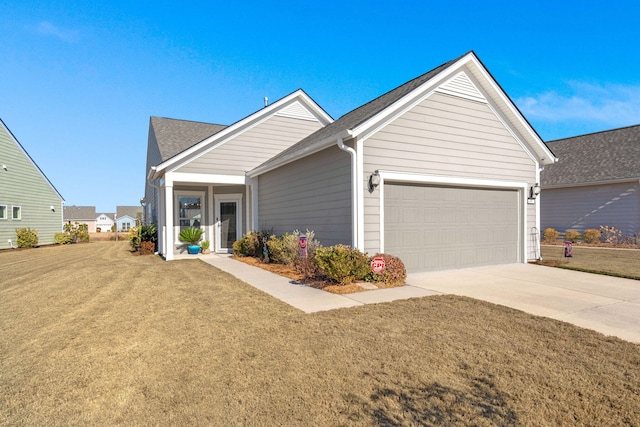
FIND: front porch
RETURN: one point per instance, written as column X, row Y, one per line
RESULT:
column 223, row 211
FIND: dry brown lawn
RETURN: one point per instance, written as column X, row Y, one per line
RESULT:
column 91, row 335
column 619, row 262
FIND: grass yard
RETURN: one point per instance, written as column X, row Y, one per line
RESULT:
column 91, row 335
column 617, row 262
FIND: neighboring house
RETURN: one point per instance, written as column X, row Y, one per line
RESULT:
column 81, row 215
column 437, row 171
column 128, row 217
column 125, row 223
column 27, row 198
column 596, row 182
column 105, row 222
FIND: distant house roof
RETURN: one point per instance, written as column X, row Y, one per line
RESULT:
column 174, row 136
column 79, row 213
column 346, row 125
column 601, row 157
column 131, row 211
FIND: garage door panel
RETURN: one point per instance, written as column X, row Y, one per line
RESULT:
column 439, row 227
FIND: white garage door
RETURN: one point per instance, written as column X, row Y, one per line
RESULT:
column 438, row 228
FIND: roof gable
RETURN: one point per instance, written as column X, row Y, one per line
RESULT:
column 13, row 140
column 607, row 156
column 297, row 104
column 464, row 76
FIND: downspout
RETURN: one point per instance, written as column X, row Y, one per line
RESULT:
column 354, row 192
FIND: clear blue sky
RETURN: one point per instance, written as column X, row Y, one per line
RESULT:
column 79, row 80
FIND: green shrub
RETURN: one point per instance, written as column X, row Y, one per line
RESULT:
column 134, row 237
column 394, row 272
column 26, row 238
column 149, row 233
column 550, row 235
column 571, row 236
column 62, row 238
column 285, row 250
column 191, row 235
column 342, row 264
column 248, row 245
column 591, row 236
column 78, row 232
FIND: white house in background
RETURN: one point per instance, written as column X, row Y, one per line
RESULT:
column 104, row 222
column 440, row 171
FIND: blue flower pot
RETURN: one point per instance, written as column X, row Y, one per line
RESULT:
column 193, row 249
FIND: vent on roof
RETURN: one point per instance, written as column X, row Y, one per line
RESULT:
column 296, row 111
column 461, row 85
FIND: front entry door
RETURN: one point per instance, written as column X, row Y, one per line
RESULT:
column 228, row 221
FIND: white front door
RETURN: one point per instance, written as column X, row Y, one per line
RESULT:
column 228, row 221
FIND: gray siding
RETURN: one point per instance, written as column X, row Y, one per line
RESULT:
column 253, row 147
column 154, row 158
column 582, row 208
column 312, row 193
column 22, row 184
column 446, row 136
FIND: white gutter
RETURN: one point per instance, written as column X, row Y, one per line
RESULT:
column 354, row 192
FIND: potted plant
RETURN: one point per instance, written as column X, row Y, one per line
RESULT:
column 191, row 235
column 205, row 246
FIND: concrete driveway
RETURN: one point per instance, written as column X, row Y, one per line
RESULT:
column 609, row 305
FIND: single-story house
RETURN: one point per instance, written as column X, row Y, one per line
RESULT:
column 441, row 171
column 27, row 198
column 125, row 223
column 596, row 182
column 81, row 215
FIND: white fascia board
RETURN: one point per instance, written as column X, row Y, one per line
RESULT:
column 243, row 125
column 205, row 178
column 450, row 180
column 312, row 149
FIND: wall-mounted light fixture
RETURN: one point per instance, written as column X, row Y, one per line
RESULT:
column 534, row 190
column 374, row 180
column 53, row 209
column 4, row 167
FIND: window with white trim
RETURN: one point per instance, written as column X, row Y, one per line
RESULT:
column 3, row 211
column 16, row 212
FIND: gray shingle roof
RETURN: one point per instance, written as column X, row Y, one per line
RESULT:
column 174, row 136
column 358, row 116
column 76, row 213
column 603, row 156
column 132, row 211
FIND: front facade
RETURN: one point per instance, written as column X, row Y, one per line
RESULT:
column 125, row 223
column 437, row 171
column 196, row 172
column 596, row 183
column 104, row 222
column 27, row 197
column 81, row 215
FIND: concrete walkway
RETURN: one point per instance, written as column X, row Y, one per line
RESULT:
column 606, row 304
